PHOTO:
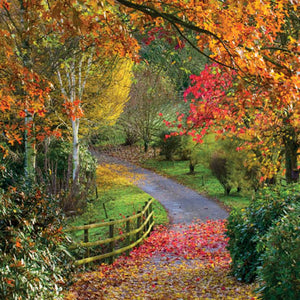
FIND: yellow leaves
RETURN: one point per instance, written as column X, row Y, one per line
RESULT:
column 107, row 94
column 110, row 175
column 95, row 4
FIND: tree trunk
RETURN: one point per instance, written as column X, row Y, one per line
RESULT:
column 29, row 141
column 75, row 150
column 291, row 165
column 291, row 149
column 30, row 155
column 192, row 168
column 146, row 145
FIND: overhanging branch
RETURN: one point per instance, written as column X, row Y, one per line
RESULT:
column 175, row 21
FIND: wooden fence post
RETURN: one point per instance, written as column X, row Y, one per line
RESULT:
column 146, row 216
column 151, row 219
column 134, row 232
column 111, row 244
column 86, row 240
column 138, row 225
column 128, row 236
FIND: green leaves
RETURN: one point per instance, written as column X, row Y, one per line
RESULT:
column 247, row 227
column 280, row 271
column 33, row 258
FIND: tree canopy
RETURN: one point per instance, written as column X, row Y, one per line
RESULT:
column 256, row 43
column 254, row 90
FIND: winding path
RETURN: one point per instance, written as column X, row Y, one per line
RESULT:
column 183, row 204
column 186, row 261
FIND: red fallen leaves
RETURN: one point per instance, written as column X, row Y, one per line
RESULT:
column 187, row 262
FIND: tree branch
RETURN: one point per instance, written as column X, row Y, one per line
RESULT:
column 175, row 21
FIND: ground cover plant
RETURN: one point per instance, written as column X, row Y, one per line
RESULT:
column 183, row 263
column 34, row 261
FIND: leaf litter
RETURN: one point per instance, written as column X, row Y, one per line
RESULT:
column 181, row 262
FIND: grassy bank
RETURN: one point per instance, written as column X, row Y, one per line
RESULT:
column 202, row 181
column 117, row 198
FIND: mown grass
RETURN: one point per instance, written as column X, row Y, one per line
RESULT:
column 117, row 198
column 202, row 181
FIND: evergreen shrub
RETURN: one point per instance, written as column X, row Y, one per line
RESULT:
column 279, row 273
column 34, row 263
column 247, row 227
column 169, row 145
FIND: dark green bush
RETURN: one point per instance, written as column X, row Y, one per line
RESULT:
column 34, row 262
column 246, row 228
column 219, row 168
column 57, row 158
column 279, row 274
column 57, row 177
column 168, row 144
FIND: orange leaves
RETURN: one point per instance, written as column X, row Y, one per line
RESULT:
column 12, row 135
column 10, row 282
column 4, row 152
column 73, row 109
column 18, row 243
column 4, row 3
column 5, row 102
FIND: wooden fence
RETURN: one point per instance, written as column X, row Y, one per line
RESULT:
column 142, row 225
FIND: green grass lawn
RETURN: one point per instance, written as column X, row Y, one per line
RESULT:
column 119, row 201
column 202, row 181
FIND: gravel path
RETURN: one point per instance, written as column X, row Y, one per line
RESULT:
column 183, row 204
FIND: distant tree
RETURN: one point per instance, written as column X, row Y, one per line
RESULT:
column 152, row 94
column 107, row 93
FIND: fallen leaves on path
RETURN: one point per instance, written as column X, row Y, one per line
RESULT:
column 186, row 262
column 110, row 175
column 133, row 154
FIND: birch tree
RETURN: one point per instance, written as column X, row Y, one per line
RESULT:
column 72, row 77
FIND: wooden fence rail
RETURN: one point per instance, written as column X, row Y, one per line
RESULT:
column 142, row 228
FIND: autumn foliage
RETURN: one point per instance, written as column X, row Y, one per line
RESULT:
column 253, row 88
column 184, row 262
column 268, row 130
column 249, row 92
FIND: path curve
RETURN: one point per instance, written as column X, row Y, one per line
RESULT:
column 183, row 204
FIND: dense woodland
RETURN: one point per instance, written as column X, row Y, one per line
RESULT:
column 212, row 83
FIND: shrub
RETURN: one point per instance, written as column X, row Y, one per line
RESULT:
column 168, row 146
column 11, row 165
column 219, row 168
column 58, row 158
column 233, row 168
column 58, row 176
column 188, row 150
column 246, row 228
column 33, row 259
column 279, row 274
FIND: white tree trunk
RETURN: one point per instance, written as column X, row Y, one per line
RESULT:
column 75, row 150
column 30, row 152
column 73, row 89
